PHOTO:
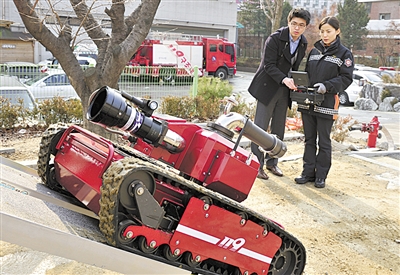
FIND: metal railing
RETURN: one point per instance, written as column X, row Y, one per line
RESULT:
column 157, row 82
column 141, row 81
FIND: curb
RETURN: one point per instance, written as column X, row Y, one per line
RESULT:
column 29, row 163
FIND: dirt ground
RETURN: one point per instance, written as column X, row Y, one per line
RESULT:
column 352, row 226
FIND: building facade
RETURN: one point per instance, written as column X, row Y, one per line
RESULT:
column 382, row 44
column 314, row 6
column 15, row 43
column 207, row 18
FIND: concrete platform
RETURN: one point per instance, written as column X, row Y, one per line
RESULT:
column 51, row 230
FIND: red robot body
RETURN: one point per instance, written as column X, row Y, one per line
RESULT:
column 173, row 194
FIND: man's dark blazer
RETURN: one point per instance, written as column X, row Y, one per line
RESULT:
column 275, row 65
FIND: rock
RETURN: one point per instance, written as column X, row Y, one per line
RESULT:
column 374, row 93
column 365, row 104
column 396, row 107
column 22, row 131
column 394, row 89
column 383, row 146
column 386, row 105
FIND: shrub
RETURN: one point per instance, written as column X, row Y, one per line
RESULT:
column 182, row 107
column 387, row 79
column 12, row 114
column 341, row 126
column 293, row 112
column 396, row 78
column 385, row 93
column 205, row 106
column 190, row 108
column 212, row 88
column 9, row 113
column 59, row 110
column 207, row 109
column 245, row 109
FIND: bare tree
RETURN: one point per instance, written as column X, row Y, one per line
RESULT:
column 384, row 44
column 114, row 49
column 273, row 10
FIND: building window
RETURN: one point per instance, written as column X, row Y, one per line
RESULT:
column 384, row 16
column 368, row 7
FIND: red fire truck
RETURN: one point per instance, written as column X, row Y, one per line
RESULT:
column 169, row 56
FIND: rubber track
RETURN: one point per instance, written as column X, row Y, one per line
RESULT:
column 113, row 177
column 44, row 157
column 44, row 151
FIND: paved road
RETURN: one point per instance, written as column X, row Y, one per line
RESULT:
column 390, row 120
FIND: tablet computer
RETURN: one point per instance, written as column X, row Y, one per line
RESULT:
column 300, row 78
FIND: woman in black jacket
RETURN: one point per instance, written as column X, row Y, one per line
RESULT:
column 330, row 69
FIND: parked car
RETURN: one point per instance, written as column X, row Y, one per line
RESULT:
column 381, row 71
column 388, row 73
column 361, row 67
column 22, row 70
column 83, row 61
column 47, row 62
column 368, row 76
column 54, row 82
column 350, row 95
column 86, row 54
column 13, row 90
column 360, row 78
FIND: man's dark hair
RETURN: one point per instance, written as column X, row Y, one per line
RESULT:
column 300, row 13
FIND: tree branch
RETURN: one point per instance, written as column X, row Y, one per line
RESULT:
column 145, row 13
column 124, row 43
column 131, row 20
column 58, row 46
column 88, row 22
column 38, row 29
column 117, row 12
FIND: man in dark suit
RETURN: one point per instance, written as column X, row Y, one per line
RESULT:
column 283, row 52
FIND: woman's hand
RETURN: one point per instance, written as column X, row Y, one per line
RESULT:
column 321, row 88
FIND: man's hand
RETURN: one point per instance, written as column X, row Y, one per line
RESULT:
column 289, row 82
column 321, row 88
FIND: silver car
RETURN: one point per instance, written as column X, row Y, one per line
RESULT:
column 368, row 76
column 13, row 90
column 351, row 94
column 360, row 77
column 50, row 84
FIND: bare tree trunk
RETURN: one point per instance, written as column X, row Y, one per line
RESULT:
column 114, row 50
column 273, row 10
column 278, row 14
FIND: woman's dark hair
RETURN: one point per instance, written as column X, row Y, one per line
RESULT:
column 331, row 20
column 300, row 13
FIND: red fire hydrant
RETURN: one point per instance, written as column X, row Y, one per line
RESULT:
column 372, row 128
